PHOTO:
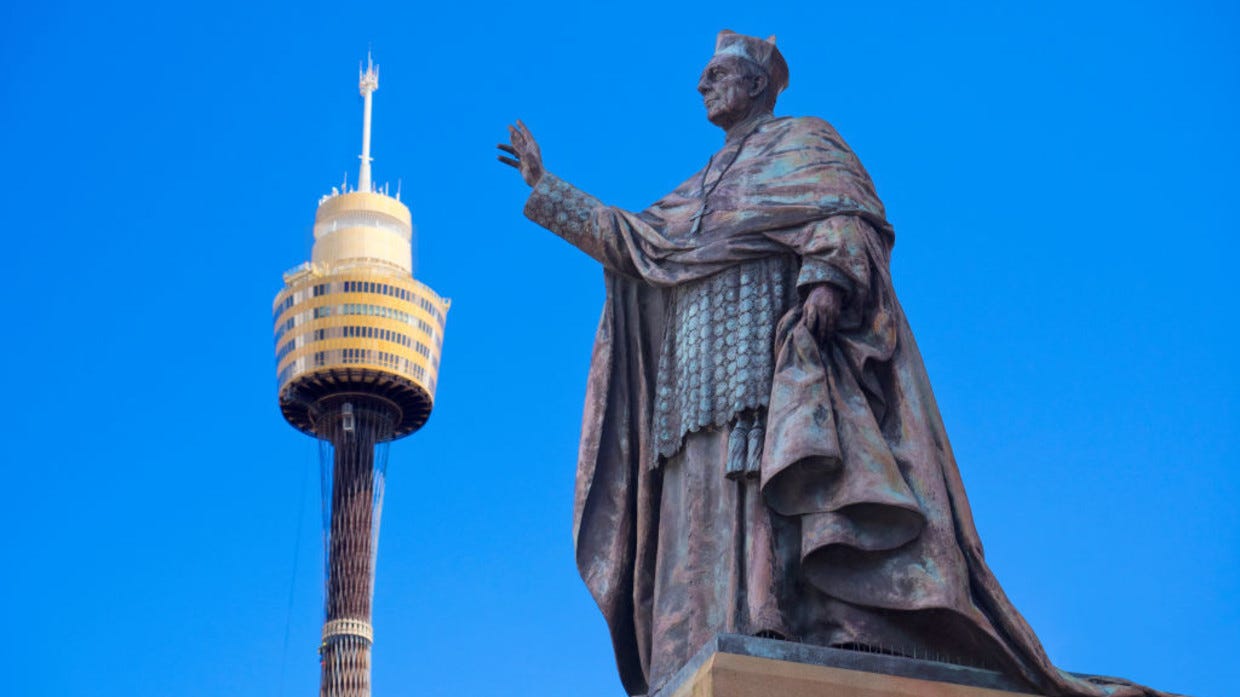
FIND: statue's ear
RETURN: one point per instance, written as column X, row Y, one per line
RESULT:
column 760, row 82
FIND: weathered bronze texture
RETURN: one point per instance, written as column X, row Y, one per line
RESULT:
column 761, row 451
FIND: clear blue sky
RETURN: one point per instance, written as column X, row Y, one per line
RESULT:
column 1061, row 176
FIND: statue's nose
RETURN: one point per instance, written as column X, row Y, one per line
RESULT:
column 702, row 86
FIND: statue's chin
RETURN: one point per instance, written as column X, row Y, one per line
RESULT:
column 726, row 119
column 723, row 121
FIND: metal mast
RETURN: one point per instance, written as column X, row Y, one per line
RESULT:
column 358, row 342
column 367, row 83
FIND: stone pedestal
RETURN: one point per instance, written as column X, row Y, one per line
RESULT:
column 731, row 665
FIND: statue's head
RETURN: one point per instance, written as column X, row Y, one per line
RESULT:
column 744, row 77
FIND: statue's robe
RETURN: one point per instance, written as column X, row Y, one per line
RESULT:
column 823, row 505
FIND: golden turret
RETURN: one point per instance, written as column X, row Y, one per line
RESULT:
column 353, row 320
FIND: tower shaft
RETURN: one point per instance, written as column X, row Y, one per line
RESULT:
column 351, row 553
column 353, row 474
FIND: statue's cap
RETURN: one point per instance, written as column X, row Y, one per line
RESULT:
column 760, row 51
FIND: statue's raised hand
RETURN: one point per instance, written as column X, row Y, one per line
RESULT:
column 526, row 156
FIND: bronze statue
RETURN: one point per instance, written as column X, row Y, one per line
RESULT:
column 761, row 450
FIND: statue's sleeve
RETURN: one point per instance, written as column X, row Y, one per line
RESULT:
column 574, row 215
column 834, row 250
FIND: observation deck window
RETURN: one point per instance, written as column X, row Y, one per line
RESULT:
column 288, row 302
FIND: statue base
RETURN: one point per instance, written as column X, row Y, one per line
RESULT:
column 731, row 665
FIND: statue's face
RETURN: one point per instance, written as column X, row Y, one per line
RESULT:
column 729, row 89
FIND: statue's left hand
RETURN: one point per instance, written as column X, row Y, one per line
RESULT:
column 823, row 306
column 528, row 158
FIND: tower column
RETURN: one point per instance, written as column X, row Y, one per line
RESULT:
column 354, row 502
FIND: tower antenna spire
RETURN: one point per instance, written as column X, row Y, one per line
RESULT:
column 367, row 83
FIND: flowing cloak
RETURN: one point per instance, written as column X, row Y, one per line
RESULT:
column 855, row 448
